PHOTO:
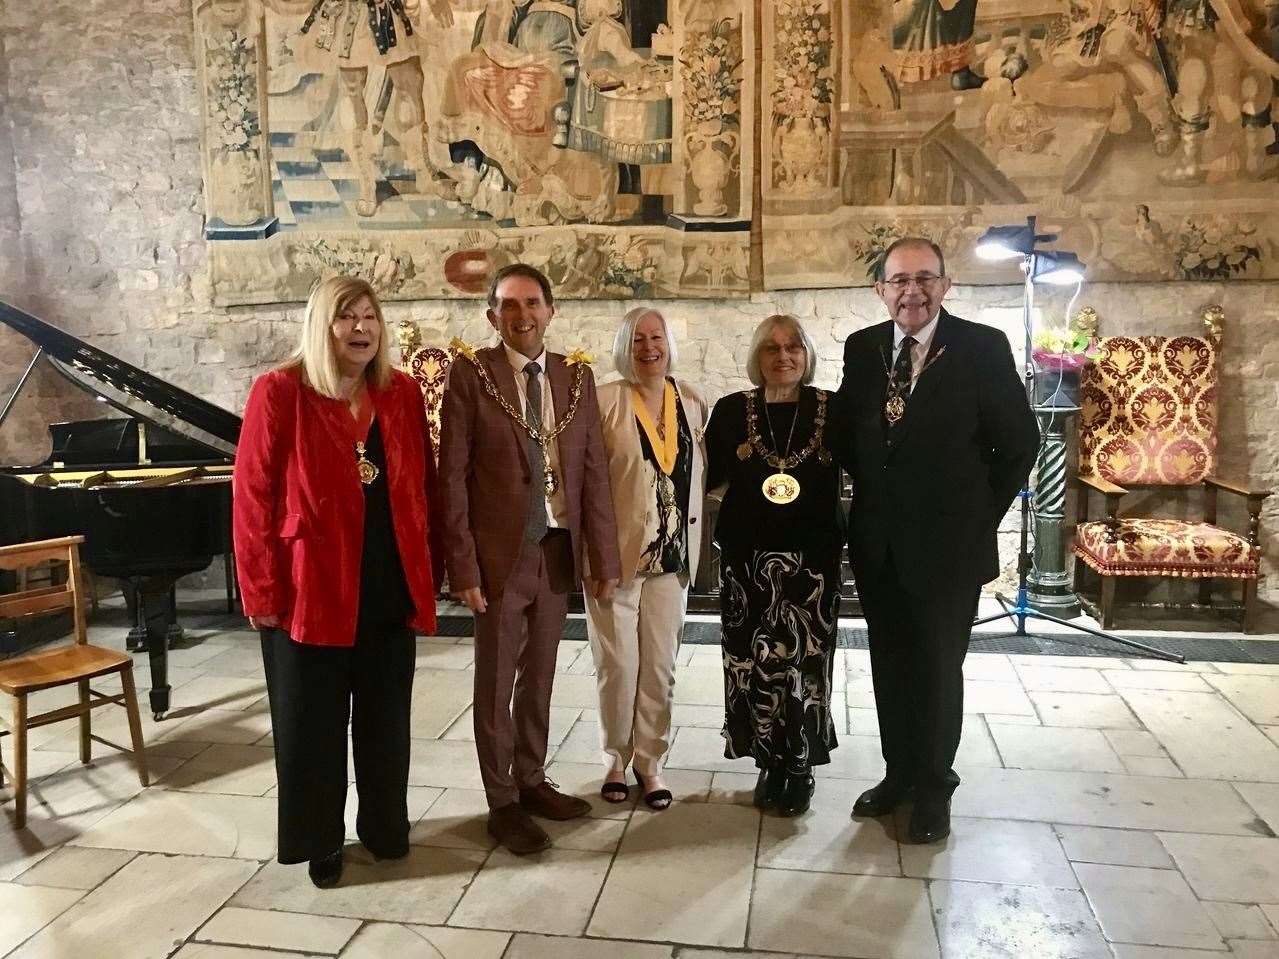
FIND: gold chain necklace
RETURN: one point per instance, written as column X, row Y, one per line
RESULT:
column 780, row 487
column 895, row 393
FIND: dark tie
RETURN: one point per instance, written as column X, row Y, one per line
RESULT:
column 899, row 384
column 535, row 524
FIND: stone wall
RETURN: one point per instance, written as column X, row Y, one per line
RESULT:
column 100, row 232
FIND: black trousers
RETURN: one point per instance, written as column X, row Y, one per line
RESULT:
column 918, row 642
column 316, row 692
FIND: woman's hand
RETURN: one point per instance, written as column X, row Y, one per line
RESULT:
column 601, row 589
column 271, row 621
column 473, row 599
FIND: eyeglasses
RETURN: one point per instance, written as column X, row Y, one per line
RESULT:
column 922, row 280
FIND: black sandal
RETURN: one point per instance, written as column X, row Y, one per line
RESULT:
column 615, row 792
column 658, row 799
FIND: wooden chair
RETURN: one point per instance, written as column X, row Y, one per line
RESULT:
column 77, row 663
column 1149, row 420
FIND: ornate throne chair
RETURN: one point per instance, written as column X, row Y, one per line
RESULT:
column 429, row 365
column 1149, row 420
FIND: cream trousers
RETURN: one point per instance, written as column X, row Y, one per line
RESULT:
column 634, row 638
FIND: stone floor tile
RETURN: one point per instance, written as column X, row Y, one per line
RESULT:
column 976, row 747
column 1115, row 847
column 207, row 950
column 25, row 910
column 193, row 824
column 1263, row 797
column 984, row 696
column 735, row 954
column 1248, row 669
column 1257, row 697
column 1103, row 799
column 863, row 722
column 441, row 656
column 423, row 887
column 526, row 946
column 141, row 911
column 586, row 834
column 1164, row 665
column 562, row 720
column 1057, row 747
column 696, row 748
column 579, row 691
column 686, row 785
column 1133, row 742
column 278, row 930
column 551, row 892
column 1239, row 920
column 1084, row 710
column 990, row 666
column 827, row 839
column 74, row 868
column 444, row 764
column 420, row 799
column 187, row 725
column 1227, row 868
column 220, row 692
column 569, row 652
column 1012, row 720
column 226, row 768
column 581, row 744
column 736, row 788
column 1208, row 738
column 1272, row 913
column 701, row 683
column 1068, row 662
column 1148, row 906
column 987, row 850
column 977, row 920
column 1252, row 949
column 440, row 696
column 1128, row 951
column 1152, row 766
column 584, row 780
column 691, row 714
column 1156, row 679
column 458, row 819
column 1059, row 679
column 231, row 662
column 877, row 917
column 1272, row 732
column 691, row 868
column 380, row 940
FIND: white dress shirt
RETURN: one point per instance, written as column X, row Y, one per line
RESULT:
column 556, row 515
column 918, row 352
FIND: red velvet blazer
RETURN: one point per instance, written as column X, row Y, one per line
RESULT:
column 298, row 507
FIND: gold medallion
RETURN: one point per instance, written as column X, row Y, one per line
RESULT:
column 744, row 452
column 549, row 482
column 781, row 489
column 367, row 469
column 895, row 408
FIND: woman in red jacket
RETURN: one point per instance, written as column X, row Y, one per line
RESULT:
column 334, row 489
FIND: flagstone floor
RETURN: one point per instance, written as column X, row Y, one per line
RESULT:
column 1110, row 808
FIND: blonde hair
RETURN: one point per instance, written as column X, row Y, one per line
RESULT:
column 315, row 355
column 624, row 342
column 762, row 332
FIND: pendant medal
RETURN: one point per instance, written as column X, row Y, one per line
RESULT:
column 781, row 489
column 368, row 470
column 744, row 452
column 895, row 408
column 549, row 482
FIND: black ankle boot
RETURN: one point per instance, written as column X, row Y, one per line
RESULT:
column 326, row 871
column 797, row 793
column 769, row 787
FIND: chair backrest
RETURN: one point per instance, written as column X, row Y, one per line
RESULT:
column 1149, row 410
column 429, row 365
column 46, row 599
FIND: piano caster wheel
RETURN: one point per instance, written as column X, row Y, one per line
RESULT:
column 157, row 716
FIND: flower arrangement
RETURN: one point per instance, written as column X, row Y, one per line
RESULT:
column 803, row 76
column 232, row 69
column 712, row 74
column 1215, row 248
column 1064, row 351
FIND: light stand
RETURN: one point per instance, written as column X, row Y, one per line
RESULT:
column 1056, row 267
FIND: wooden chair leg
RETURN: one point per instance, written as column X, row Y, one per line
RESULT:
column 135, row 723
column 86, row 724
column 20, row 760
column 1107, row 606
column 1249, row 619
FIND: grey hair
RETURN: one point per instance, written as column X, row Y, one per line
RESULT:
column 762, row 331
column 624, row 342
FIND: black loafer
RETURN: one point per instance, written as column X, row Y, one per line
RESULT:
column 764, row 786
column 930, row 819
column 326, row 871
column 797, row 794
column 881, row 799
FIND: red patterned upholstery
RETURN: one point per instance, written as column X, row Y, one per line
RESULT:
column 1165, row 547
column 1149, row 411
column 429, row 365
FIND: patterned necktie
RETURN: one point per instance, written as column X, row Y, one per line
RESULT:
column 535, row 524
column 899, row 382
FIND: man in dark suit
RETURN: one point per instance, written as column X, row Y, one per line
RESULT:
column 941, row 438
column 520, row 508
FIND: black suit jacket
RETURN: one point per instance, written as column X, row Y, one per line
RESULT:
column 935, row 496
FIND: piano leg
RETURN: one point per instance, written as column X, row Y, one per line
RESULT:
column 175, row 633
column 137, row 638
column 153, row 598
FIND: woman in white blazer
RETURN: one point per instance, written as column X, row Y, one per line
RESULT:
column 653, row 430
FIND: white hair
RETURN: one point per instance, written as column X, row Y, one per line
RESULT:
column 761, row 334
column 624, row 343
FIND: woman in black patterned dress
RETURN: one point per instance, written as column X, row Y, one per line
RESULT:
column 780, row 532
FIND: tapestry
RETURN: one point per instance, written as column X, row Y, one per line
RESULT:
column 425, row 143
column 1143, row 132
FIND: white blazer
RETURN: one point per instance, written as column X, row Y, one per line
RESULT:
column 629, row 476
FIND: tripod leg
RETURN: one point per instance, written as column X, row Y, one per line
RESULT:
column 1153, row 651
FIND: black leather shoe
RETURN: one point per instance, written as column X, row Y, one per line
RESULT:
column 930, row 819
column 881, row 799
column 768, row 787
column 796, row 794
column 326, row 872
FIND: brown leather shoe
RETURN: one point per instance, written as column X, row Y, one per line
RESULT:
column 513, row 828
column 548, row 802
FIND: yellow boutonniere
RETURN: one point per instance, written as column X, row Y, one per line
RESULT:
column 459, row 345
column 579, row 356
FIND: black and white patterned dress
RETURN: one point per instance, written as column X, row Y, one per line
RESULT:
column 779, row 589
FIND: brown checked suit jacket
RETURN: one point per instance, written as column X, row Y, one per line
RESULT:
column 484, row 475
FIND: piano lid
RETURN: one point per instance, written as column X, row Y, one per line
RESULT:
column 127, row 388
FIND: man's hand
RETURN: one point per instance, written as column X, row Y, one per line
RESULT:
column 473, row 599
column 265, row 622
column 601, row 588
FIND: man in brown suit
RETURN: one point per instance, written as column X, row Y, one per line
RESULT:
column 519, row 514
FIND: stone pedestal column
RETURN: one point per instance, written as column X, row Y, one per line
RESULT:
column 1049, row 585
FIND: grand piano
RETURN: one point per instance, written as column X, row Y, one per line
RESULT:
column 149, row 486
